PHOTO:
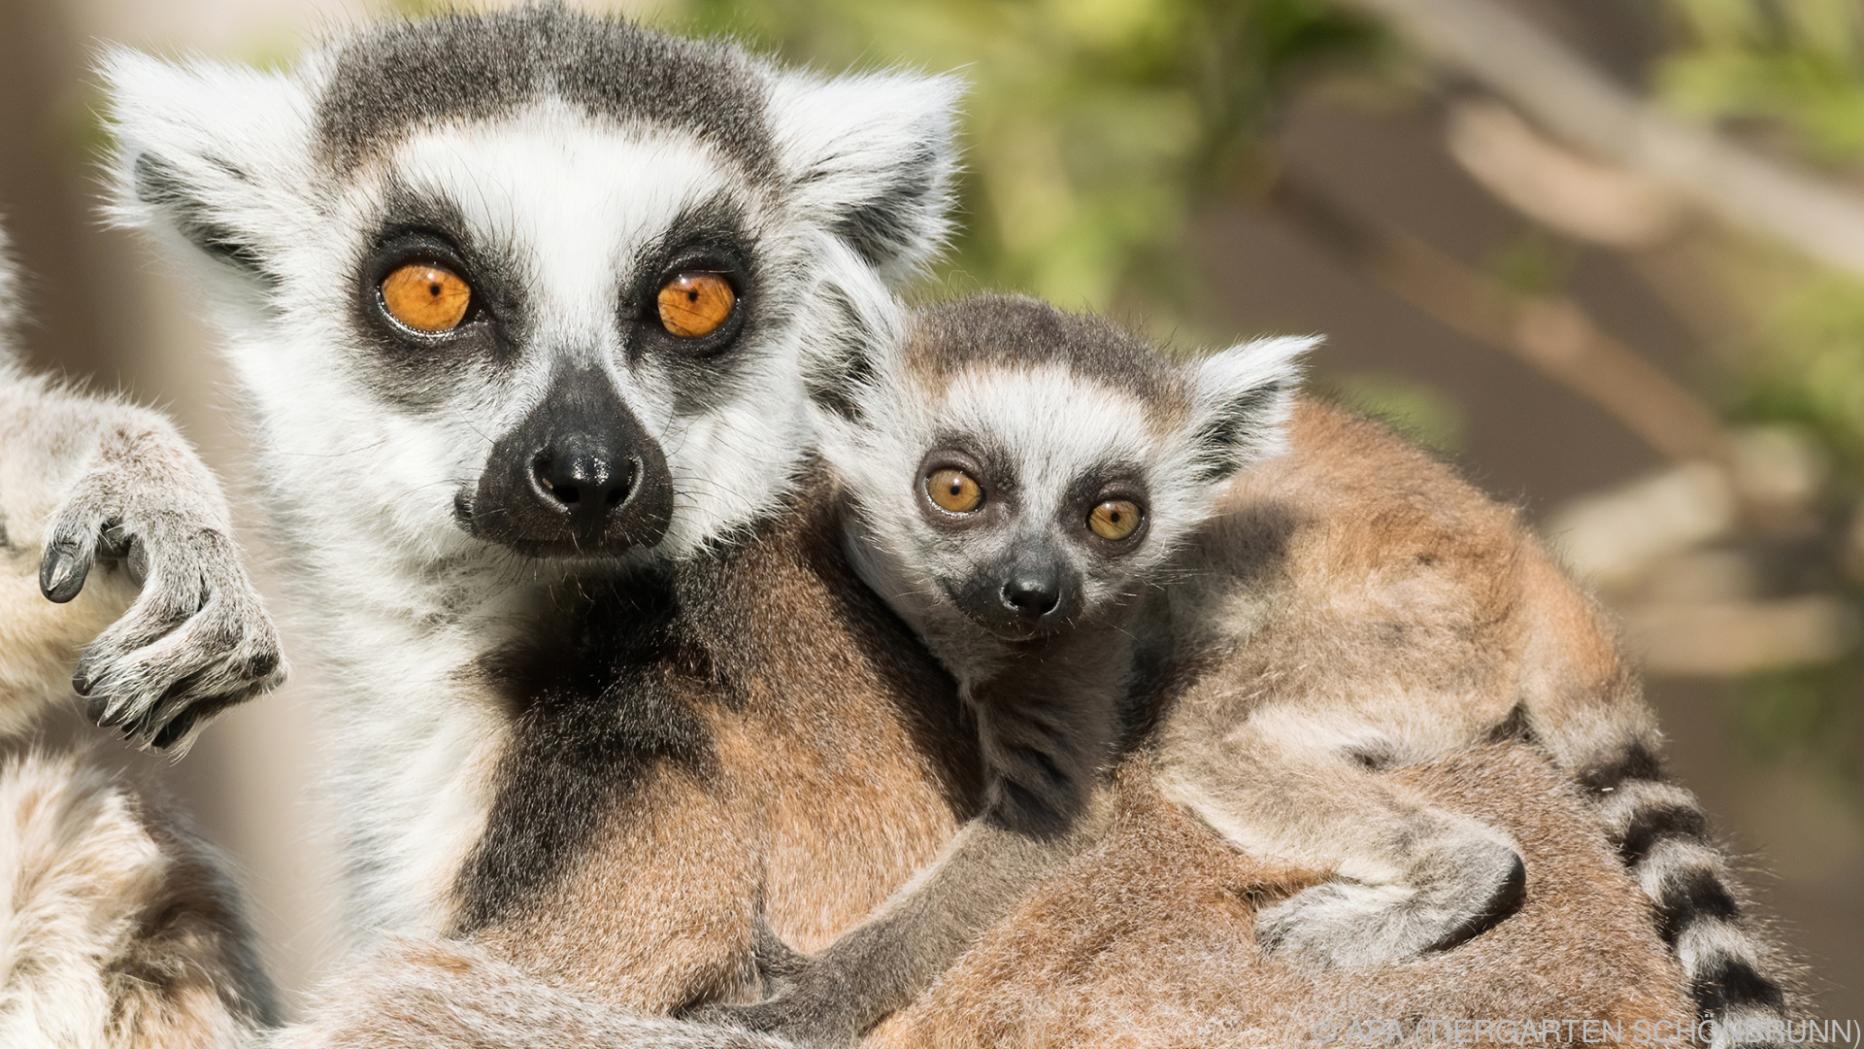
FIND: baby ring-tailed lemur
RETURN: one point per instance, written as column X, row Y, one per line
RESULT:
column 1016, row 480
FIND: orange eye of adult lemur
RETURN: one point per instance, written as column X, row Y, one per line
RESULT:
column 695, row 303
column 426, row 297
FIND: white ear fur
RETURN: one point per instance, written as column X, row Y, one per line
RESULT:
column 215, row 152
column 872, row 155
column 854, row 338
column 1242, row 397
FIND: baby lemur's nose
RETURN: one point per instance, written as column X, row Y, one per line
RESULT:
column 587, row 480
column 1032, row 594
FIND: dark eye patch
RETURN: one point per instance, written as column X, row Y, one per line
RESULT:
column 1115, row 479
column 995, row 466
column 420, row 371
column 712, row 236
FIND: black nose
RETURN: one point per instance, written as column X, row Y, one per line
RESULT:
column 586, row 479
column 1032, row 594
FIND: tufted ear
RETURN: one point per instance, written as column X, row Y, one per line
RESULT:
column 1241, row 400
column 213, row 152
column 853, row 341
column 873, row 156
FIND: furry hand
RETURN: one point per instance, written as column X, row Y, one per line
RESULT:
column 197, row 639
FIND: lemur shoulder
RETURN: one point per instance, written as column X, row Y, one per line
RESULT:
column 524, row 302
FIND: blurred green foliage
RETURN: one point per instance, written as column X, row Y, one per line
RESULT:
column 1097, row 130
column 1101, row 132
column 1792, row 74
column 1797, row 64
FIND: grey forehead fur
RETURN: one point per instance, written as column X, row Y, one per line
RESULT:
column 1015, row 330
column 390, row 80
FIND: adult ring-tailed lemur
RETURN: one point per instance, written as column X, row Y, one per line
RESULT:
column 538, row 289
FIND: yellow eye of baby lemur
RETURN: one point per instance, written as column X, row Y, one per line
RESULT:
column 1115, row 519
column 426, row 297
column 954, row 490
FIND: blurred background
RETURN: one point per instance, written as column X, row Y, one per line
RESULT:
column 1607, row 255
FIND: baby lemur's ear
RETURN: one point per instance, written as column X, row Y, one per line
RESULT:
column 853, row 338
column 871, row 155
column 1241, row 400
column 212, row 152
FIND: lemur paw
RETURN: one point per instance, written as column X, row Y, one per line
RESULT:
column 197, row 639
column 803, row 1002
column 1453, row 895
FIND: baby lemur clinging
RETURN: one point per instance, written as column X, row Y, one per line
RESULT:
column 1015, row 480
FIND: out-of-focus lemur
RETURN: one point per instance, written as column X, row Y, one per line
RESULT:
column 1018, row 480
column 170, row 630
column 118, row 925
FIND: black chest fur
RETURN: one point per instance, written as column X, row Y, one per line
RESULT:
column 599, row 695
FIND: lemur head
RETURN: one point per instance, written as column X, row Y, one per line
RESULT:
column 533, row 281
column 1024, row 470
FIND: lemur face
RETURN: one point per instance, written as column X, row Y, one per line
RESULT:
column 536, row 281
column 1034, row 498
column 1028, row 471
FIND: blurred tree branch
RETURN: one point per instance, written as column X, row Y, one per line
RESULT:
column 1551, row 333
column 1507, row 53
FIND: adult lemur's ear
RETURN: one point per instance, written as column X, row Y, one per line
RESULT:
column 215, row 153
column 873, row 156
column 1241, row 400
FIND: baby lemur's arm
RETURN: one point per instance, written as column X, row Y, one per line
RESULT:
column 1046, row 724
column 106, row 511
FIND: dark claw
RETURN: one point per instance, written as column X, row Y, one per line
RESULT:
column 82, row 684
column 202, row 711
column 205, row 710
column 110, row 720
column 62, row 573
column 138, row 561
column 113, row 544
column 262, row 666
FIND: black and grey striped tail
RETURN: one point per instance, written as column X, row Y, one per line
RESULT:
column 1662, row 834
